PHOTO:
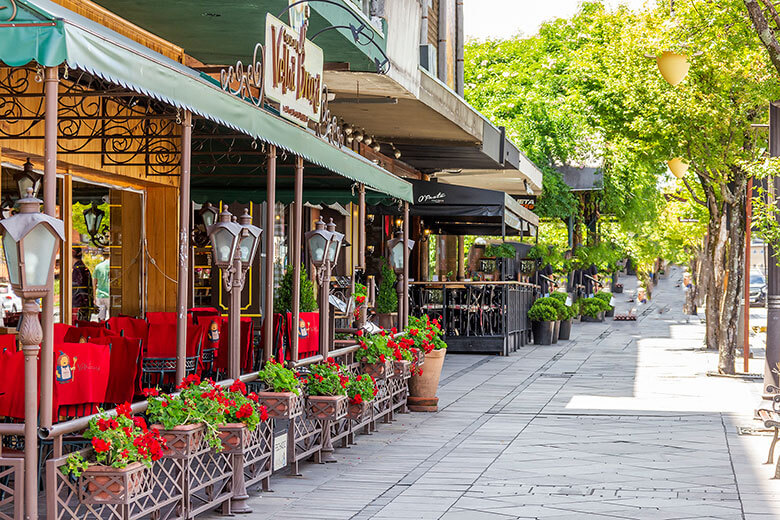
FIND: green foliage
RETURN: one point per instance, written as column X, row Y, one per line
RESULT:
column 326, row 379
column 426, row 333
column 591, row 307
column 606, row 296
column 548, row 254
column 560, row 306
column 503, row 250
column 361, row 388
column 374, row 348
column 283, row 297
column 542, row 311
column 279, row 378
column 387, row 298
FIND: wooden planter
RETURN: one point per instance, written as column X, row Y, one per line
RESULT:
column 378, row 370
column 181, row 440
column 326, row 407
column 358, row 411
column 234, row 437
column 281, row 405
column 109, row 485
column 403, row 369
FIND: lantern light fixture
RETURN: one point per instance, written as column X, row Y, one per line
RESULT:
column 318, row 242
column 250, row 240
column 93, row 219
column 678, row 167
column 208, row 213
column 395, row 249
column 224, row 236
column 336, row 241
column 28, row 178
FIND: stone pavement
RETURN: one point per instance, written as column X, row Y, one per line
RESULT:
column 620, row 422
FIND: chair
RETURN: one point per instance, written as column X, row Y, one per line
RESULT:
column 161, row 318
column 245, row 346
column 81, row 373
column 83, row 334
column 125, row 356
column 211, row 326
column 159, row 362
column 60, row 329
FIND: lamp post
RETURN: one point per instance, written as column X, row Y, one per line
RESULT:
column 233, row 248
column 324, row 244
column 28, row 178
column 396, row 256
column 30, row 243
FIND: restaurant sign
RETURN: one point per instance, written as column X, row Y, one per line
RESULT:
column 293, row 71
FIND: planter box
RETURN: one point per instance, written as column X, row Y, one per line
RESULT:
column 377, row 370
column 108, row 485
column 564, row 332
column 402, row 369
column 326, row 407
column 182, row 440
column 281, row 405
column 234, row 437
column 543, row 332
column 556, row 331
column 610, row 313
column 618, row 288
column 358, row 412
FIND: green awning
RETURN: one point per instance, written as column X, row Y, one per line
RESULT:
column 49, row 34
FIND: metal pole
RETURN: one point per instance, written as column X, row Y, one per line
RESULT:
column 182, row 288
column 773, row 271
column 405, row 319
column 296, row 254
column 748, row 225
column 234, row 321
column 30, row 336
column 362, row 246
column 324, row 309
column 270, row 224
column 50, row 86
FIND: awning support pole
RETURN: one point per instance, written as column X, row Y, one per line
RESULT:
column 296, row 256
column 270, row 224
column 184, row 247
column 405, row 304
column 50, row 93
column 362, row 247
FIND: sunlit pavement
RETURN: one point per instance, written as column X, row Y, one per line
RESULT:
column 620, row 422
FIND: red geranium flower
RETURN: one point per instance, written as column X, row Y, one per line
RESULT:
column 149, row 392
column 100, row 446
column 124, row 409
column 263, row 413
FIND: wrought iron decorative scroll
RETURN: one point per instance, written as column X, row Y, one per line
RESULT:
column 246, row 85
column 383, row 65
column 132, row 130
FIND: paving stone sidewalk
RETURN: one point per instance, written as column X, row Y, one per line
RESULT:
column 620, row 422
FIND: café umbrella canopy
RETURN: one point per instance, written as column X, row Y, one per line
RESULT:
column 318, row 241
column 395, row 247
column 250, row 240
column 224, row 236
column 334, row 246
column 30, row 244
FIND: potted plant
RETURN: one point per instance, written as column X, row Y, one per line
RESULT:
column 375, row 355
column 607, row 298
column 387, row 298
column 326, row 391
column 427, row 337
column 124, row 450
column 403, row 355
column 242, row 414
column 566, row 314
column 361, row 390
column 561, row 313
column 186, row 417
column 281, row 402
column 592, row 309
column 543, row 317
column 360, row 295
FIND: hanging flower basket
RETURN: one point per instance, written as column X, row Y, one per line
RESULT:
column 326, row 407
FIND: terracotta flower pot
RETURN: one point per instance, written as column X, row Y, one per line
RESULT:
column 232, row 436
column 377, row 370
column 181, row 440
column 358, row 411
column 422, row 388
column 109, row 485
column 402, row 369
column 326, row 407
column 280, row 405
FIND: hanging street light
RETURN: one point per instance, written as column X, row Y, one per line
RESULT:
column 250, row 240
column 678, row 167
column 30, row 243
column 224, row 239
column 93, row 219
column 673, row 67
column 318, row 242
column 28, row 178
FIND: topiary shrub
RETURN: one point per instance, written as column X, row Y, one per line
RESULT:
column 591, row 307
column 561, row 297
column 542, row 311
column 283, row 297
column 606, row 296
column 560, row 308
column 387, row 298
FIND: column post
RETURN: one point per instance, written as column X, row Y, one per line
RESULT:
column 182, row 288
column 270, row 224
column 296, row 256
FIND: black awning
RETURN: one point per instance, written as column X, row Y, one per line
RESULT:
column 448, row 209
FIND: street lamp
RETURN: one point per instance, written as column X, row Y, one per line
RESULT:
column 233, row 249
column 30, row 243
column 396, row 257
column 208, row 213
column 93, row 219
column 324, row 244
column 28, row 178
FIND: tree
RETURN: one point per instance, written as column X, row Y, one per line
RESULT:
column 588, row 90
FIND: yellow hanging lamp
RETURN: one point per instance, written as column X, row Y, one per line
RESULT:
column 678, row 167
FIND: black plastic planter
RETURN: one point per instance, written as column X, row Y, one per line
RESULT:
column 610, row 313
column 556, row 330
column 543, row 332
column 564, row 331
